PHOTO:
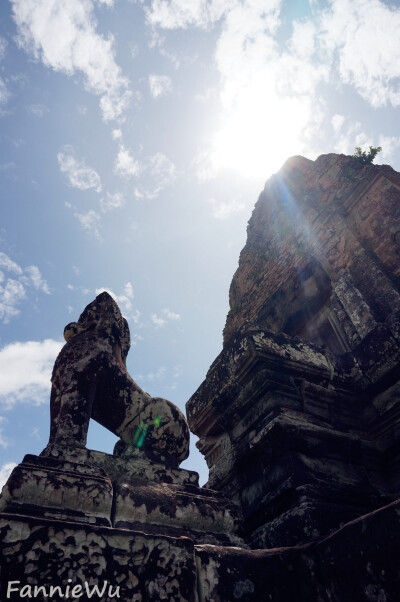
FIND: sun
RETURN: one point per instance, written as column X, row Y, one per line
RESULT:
column 259, row 132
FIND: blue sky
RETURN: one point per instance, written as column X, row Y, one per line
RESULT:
column 135, row 138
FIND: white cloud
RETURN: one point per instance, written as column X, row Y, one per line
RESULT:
column 223, row 210
column 125, row 165
column 157, row 321
column 160, row 85
column 337, row 122
column 170, row 314
column 158, row 41
column 5, row 472
column 167, row 315
column 389, row 145
column 9, row 165
column 135, row 317
column 134, row 49
column 124, row 300
column 10, row 296
column 3, row 46
column 156, row 375
column 37, row 280
column 4, row 95
column 302, row 42
column 79, row 175
column 26, row 371
column 349, row 133
column 136, row 338
column 35, row 433
column 162, row 171
column 116, row 134
column 63, row 35
column 4, row 92
column 178, row 371
column 9, row 264
column 174, row 14
column 157, row 172
column 361, row 37
column 38, row 110
column 90, row 222
column 14, row 286
column 112, row 201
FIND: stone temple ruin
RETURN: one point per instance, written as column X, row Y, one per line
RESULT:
column 298, row 418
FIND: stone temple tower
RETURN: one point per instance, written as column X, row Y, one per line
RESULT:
column 298, row 418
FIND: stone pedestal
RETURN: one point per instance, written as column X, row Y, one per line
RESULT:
column 60, row 554
column 76, row 518
column 53, row 488
column 136, row 494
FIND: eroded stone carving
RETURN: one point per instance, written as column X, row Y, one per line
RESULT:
column 90, row 379
column 296, row 417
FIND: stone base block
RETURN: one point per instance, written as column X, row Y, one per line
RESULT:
column 128, row 468
column 124, row 565
column 51, row 487
column 171, row 509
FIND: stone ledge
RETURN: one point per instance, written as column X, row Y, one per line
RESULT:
column 115, row 466
column 358, row 562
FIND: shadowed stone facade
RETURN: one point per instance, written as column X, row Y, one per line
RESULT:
column 298, row 418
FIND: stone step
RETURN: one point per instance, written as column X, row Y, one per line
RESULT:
column 167, row 507
column 52, row 488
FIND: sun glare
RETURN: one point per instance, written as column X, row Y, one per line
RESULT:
column 260, row 132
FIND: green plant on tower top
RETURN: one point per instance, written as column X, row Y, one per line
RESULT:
column 364, row 157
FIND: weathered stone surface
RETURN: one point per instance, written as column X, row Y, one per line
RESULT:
column 55, row 488
column 295, row 417
column 193, row 512
column 38, row 552
column 138, row 468
column 92, row 487
column 320, row 227
column 90, row 379
column 278, row 575
column 359, row 562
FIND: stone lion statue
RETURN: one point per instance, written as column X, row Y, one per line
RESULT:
column 90, row 379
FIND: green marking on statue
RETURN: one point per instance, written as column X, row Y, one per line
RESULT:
column 141, row 432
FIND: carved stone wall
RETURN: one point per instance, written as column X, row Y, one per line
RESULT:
column 320, row 229
column 298, row 417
